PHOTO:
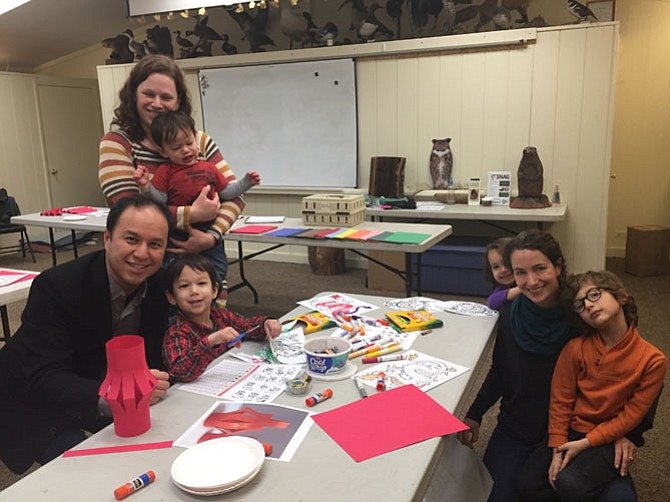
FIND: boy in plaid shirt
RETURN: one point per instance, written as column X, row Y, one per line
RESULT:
column 199, row 332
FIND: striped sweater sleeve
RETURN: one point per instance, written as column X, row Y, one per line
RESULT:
column 229, row 210
column 116, row 168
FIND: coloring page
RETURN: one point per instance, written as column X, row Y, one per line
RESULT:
column 288, row 347
column 468, row 308
column 336, row 305
column 415, row 303
column 419, row 369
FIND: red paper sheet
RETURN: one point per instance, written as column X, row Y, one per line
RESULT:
column 253, row 229
column 398, row 417
column 80, row 210
column 118, row 449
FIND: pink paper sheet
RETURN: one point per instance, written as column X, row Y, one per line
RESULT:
column 387, row 421
column 253, row 229
column 118, row 449
column 80, row 210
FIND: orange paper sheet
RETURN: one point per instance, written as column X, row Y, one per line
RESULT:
column 398, row 417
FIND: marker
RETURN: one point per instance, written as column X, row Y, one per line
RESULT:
column 384, row 359
column 136, row 484
column 360, row 387
column 317, row 398
column 381, row 381
column 239, row 337
column 386, row 350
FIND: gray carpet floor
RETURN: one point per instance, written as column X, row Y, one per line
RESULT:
column 281, row 285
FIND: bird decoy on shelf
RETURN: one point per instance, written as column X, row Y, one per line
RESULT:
column 120, row 51
column 486, row 11
column 502, row 19
column 202, row 48
column 465, row 14
column 420, row 10
column 371, row 27
column 252, row 28
column 320, row 36
column 227, row 47
column 358, row 13
column 182, row 41
column 580, row 11
column 202, row 31
column 292, row 22
column 450, row 17
column 159, row 40
column 135, row 47
column 520, row 6
column 394, row 10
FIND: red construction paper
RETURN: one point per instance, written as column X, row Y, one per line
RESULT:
column 80, row 210
column 387, row 421
column 118, row 449
column 253, row 229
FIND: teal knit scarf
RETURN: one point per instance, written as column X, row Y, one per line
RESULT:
column 537, row 330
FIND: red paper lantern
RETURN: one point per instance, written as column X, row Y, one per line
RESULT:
column 128, row 385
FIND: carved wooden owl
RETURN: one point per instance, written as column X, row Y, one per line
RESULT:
column 441, row 163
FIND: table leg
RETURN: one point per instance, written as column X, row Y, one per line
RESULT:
column 74, row 244
column 6, row 333
column 53, row 246
column 244, row 282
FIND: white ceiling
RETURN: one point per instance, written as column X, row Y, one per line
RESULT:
column 44, row 30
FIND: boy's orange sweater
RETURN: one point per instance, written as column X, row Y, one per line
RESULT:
column 604, row 393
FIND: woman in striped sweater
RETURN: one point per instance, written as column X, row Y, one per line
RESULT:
column 156, row 84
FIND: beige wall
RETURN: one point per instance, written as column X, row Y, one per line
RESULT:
column 640, row 191
column 640, row 187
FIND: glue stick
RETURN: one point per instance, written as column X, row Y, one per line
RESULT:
column 139, row 482
column 317, row 398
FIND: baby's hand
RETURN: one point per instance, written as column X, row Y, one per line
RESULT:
column 254, row 178
column 141, row 177
column 272, row 328
column 224, row 336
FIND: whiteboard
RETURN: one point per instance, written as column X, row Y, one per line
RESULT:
column 294, row 123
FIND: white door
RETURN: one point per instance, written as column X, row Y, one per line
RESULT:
column 71, row 127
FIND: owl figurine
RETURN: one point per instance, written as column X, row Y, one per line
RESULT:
column 441, row 163
column 530, row 178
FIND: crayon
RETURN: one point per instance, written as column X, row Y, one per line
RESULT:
column 381, row 381
column 317, row 398
column 136, row 484
column 384, row 359
column 426, row 331
column 360, row 387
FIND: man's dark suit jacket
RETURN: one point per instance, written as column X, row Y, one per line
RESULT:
column 51, row 369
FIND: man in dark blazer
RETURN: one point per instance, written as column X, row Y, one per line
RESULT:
column 51, row 369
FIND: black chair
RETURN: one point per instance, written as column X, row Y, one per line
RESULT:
column 9, row 208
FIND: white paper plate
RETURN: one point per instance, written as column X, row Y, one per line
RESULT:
column 74, row 217
column 218, row 464
column 219, row 491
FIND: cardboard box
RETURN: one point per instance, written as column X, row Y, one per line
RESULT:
column 455, row 266
column 647, row 250
column 344, row 210
column 384, row 280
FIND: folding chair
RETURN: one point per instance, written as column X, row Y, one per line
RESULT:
column 9, row 208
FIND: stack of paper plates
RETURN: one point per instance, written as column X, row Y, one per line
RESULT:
column 218, row 465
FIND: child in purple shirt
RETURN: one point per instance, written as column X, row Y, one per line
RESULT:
column 497, row 273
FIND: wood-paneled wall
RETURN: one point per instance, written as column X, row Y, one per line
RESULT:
column 555, row 94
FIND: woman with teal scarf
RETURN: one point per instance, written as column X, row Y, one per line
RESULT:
column 531, row 333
